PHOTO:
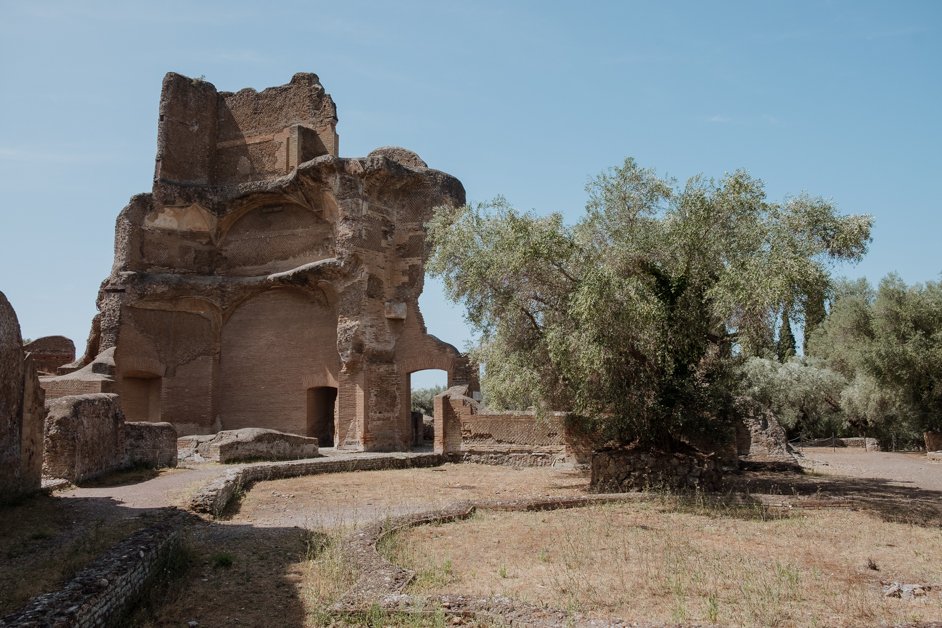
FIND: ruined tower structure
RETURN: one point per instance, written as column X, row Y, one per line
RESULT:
column 265, row 281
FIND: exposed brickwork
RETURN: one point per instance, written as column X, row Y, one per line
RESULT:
column 51, row 352
column 470, row 433
column 104, row 591
column 263, row 268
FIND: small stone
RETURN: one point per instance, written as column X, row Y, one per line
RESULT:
column 103, row 582
column 192, row 623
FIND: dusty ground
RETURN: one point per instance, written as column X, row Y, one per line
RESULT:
column 899, row 469
column 666, row 562
column 270, row 560
column 345, row 499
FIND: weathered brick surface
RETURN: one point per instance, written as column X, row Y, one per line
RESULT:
column 51, row 352
column 263, row 268
column 21, row 412
column 474, row 434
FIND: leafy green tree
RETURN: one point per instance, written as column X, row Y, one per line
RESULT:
column 634, row 316
column 804, row 395
column 889, row 344
column 423, row 399
column 785, row 348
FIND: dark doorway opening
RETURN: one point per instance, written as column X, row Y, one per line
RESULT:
column 321, row 402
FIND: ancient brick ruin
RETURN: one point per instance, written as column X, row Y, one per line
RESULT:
column 49, row 353
column 265, row 281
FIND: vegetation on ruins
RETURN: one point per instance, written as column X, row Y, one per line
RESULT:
column 637, row 316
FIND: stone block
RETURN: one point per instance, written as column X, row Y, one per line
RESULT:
column 251, row 443
column 84, row 436
column 150, row 444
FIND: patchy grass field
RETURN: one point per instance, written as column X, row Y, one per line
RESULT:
column 46, row 540
column 670, row 560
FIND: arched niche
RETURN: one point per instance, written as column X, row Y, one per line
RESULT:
column 273, row 237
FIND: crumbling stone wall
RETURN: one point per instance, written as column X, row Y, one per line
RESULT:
column 87, row 436
column 628, row 469
column 267, row 282
column 21, row 412
column 49, row 353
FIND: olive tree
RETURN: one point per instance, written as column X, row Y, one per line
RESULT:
column 634, row 316
column 888, row 342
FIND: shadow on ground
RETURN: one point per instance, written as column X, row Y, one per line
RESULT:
column 892, row 501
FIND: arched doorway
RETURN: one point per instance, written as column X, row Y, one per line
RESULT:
column 422, row 386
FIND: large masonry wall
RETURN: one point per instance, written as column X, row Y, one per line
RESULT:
column 267, row 282
column 21, row 412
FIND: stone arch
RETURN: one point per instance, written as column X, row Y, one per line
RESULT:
column 276, row 236
column 274, row 346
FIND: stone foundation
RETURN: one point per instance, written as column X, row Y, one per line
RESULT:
column 251, row 443
column 469, row 433
column 630, row 469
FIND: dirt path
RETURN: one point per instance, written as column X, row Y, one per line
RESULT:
column 899, row 469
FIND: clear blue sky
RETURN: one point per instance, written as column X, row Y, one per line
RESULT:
column 525, row 99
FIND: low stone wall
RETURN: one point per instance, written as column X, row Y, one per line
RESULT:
column 474, row 434
column 106, row 590
column 87, row 436
column 869, row 444
column 628, row 469
column 380, row 582
column 213, row 498
column 150, row 444
column 251, row 443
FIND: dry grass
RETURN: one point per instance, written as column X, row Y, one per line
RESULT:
column 670, row 560
column 337, row 499
column 46, row 540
